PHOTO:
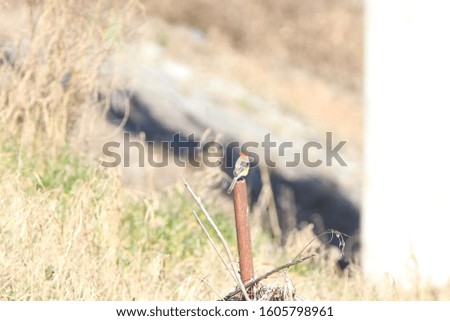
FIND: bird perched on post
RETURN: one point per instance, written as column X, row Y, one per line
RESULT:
column 241, row 168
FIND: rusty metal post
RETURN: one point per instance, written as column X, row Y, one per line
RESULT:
column 243, row 231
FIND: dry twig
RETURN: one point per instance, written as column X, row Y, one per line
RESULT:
column 266, row 275
column 214, row 245
column 219, row 234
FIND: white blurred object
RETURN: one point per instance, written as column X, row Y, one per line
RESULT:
column 406, row 212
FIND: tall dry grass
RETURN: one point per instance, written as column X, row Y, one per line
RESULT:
column 85, row 240
column 69, row 232
column 54, row 69
column 68, row 229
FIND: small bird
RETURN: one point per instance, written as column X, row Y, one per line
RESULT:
column 241, row 169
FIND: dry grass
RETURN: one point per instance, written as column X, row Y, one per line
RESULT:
column 69, row 230
column 40, row 102
column 89, row 241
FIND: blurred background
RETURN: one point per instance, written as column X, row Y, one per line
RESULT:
column 78, row 74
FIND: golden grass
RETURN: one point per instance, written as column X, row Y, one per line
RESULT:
column 82, row 245
column 56, row 69
column 70, row 231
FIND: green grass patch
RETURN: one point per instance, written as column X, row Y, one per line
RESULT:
column 171, row 229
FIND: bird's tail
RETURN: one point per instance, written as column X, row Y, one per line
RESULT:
column 232, row 185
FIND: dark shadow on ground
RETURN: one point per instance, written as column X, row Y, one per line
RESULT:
column 315, row 200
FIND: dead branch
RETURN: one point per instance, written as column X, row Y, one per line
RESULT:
column 219, row 234
column 267, row 274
